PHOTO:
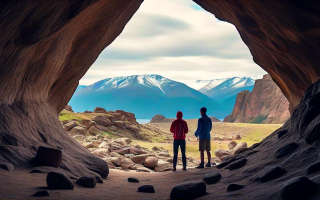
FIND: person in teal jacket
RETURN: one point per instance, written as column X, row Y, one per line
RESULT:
column 203, row 135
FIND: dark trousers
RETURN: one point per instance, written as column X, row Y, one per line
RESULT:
column 182, row 144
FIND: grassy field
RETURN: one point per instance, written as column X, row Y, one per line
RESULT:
column 250, row 133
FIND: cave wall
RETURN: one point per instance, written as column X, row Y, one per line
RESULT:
column 282, row 36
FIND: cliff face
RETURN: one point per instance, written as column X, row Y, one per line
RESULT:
column 265, row 104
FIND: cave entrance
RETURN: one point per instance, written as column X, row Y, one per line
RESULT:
column 196, row 61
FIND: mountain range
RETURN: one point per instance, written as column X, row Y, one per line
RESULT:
column 146, row 96
column 225, row 90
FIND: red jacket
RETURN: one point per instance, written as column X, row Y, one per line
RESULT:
column 179, row 127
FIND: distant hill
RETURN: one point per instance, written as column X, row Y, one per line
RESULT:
column 146, row 96
column 81, row 87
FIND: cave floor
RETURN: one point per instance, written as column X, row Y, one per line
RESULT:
column 21, row 184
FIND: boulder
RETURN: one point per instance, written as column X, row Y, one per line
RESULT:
column 105, row 145
column 68, row 108
column 232, row 144
column 146, row 189
column 286, row 150
column 220, row 152
column 88, row 182
column 139, row 159
column 151, row 162
column 191, row 190
column 114, row 154
column 133, row 128
column 298, row 188
column 115, row 146
column 133, row 180
column 212, row 178
column 126, row 163
column 123, row 151
column 68, row 126
column 119, row 124
column 93, row 130
column 57, row 180
column 99, row 110
column 101, row 152
column 91, row 145
column 134, row 150
column 49, row 156
column 43, row 193
column 236, row 137
column 123, row 141
column 237, row 164
column 163, row 166
column 123, row 118
column 102, row 120
column 272, row 173
column 234, row 187
column 78, row 130
column 240, row 147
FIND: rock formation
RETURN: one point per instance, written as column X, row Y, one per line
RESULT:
column 163, row 119
column 265, row 104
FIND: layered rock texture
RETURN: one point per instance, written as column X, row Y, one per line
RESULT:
column 265, row 104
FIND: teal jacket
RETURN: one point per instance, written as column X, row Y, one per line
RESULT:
column 204, row 128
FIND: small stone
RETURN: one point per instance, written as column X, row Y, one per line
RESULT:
column 88, row 182
column 298, row 188
column 286, row 150
column 133, row 180
column 272, row 173
column 146, row 189
column 234, row 187
column 43, row 193
column 57, row 180
column 190, row 190
column 212, row 178
column 49, row 157
column 238, row 164
column 315, row 167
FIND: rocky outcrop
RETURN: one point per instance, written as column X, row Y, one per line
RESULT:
column 265, row 104
column 163, row 119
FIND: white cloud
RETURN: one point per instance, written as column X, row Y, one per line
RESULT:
column 178, row 41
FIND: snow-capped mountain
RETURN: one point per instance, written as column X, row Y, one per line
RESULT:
column 225, row 90
column 146, row 96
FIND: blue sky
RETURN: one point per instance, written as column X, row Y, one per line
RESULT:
column 176, row 39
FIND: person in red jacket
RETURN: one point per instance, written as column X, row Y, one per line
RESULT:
column 179, row 128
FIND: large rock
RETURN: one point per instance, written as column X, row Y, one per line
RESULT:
column 99, row 110
column 240, row 147
column 146, row 189
column 127, row 163
column 78, row 130
column 68, row 126
column 68, row 108
column 212, row 178
column 265, row 104
column 298, row 188
column 57, row 180
column 49, row 156
column 119, row 124
column 232, row 144
column 161, row 119
column 139, row 159
column 190, row 190
column 102, row 120
column 88, row 182
column 123, row 151
column 163, row 166
column 220, row 152
column 151, row 162
column 103, row 152
column 123, row 141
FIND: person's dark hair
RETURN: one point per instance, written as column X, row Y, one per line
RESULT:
column 203, row 110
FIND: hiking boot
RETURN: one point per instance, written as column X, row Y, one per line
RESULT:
column 184, row 169
column 201, row 166
column 208, row 165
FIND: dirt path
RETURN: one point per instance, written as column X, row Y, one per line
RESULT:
column 21, row 185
